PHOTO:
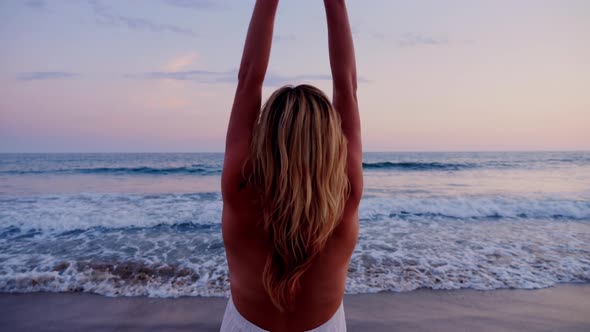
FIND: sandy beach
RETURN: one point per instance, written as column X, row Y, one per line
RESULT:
column 561, row 308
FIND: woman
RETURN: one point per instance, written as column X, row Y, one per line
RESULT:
column 291, row 184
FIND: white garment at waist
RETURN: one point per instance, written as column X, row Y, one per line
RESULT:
column 233, row 321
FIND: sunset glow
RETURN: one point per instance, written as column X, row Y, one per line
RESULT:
column 138, row 76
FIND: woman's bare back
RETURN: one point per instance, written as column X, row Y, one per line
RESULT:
column 322, row 286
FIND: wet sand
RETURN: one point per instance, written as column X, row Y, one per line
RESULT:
column 561, row 308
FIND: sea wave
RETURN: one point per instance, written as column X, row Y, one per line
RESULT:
column 215, row 168
column 197, row 169
column 202, row 169
column 62, row 213
column 474, row 208
column 117, row 278
column 394, row 256
column 418, row 166
column 472, row 164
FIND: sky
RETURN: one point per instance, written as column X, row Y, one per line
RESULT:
column 159, row 75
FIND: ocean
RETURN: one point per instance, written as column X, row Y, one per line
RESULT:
column 149, row 224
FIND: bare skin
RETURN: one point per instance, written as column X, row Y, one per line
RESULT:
column 322, row 287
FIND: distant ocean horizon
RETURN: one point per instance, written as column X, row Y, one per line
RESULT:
column 149, row 224
column 365, row 151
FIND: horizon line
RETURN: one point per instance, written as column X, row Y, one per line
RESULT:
column 222, row 152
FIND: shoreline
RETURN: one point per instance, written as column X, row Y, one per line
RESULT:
column 565, row 307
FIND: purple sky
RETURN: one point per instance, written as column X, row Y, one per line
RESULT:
column 159, row 75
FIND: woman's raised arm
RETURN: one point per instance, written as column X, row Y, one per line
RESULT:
column 343, row 64
column 248, row 97
column 252, row 71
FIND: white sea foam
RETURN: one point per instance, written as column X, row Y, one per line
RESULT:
column 475, row 207
column 391, row 255
column 118, row 279
column 79, row 212
column 397, row 255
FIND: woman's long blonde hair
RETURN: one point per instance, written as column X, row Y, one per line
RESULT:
column 298, row 159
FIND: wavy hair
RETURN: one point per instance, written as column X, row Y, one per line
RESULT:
column 298, row 156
